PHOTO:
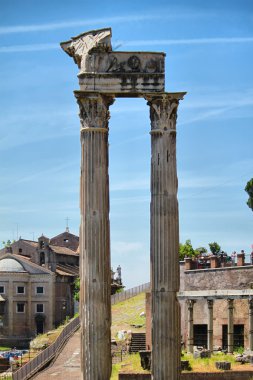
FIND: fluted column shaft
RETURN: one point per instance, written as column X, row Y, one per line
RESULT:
column 210, row 325
column 95, row 276
column 251, row 324
column 230, row 326
column 164, row 238
column 190, row 340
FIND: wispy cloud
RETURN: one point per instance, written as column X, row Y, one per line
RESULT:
column 72, row 24
column 28, row 48
column 134, row 43
column 190, row 41
column 161, row 15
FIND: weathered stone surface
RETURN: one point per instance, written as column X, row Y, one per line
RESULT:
column 219, row 278
column 105, row 74
column 164, row 238
column 223, row 365
column 106, row 71
column 95, row 268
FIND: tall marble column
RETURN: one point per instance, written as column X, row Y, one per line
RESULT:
column 230, row 326
column 210, row 325
column 95, row 276
column 251, row 324
column 164, row 237
column 190, row 340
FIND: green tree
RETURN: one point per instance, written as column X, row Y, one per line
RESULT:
column 200, row 251
column 249, row 190
column 214, row 248
column 7, row 243
column 186, row 250
column 77, row 288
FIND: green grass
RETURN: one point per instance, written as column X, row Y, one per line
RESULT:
column 130, row 363
column 3, row 348
column 127, row 313
column 208, row 364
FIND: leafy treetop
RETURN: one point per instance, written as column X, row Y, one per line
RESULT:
column 215, row 248
column 249, row 190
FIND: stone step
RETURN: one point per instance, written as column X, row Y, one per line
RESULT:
column 138, row 342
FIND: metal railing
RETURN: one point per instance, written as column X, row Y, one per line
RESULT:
column 119, row 297
column 45, row 356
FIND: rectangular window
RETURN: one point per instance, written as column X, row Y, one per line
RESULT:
column 20, row 290
column 2, row 290
column 39, row 308
column 40, row 290
column 20, row 307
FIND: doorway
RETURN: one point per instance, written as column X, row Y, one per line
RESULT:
column 238, row 336
column 39, row 327
column 200, row 335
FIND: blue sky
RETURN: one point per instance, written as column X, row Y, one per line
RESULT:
column 209, row 54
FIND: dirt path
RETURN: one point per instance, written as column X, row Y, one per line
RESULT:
column 67, row 364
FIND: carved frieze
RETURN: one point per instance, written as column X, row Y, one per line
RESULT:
column 128, row 62
column 104, row 70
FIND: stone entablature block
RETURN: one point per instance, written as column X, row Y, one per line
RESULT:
column 104, row 70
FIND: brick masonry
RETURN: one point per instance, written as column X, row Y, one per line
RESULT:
column 228, row 375
column 209, row 279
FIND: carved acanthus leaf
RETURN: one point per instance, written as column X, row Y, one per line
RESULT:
column 163, row 113
column 94, row 111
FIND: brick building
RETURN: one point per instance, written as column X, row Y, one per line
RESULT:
column 27, row 300
column 216, row 305
column 58, row 260
column 54, row 262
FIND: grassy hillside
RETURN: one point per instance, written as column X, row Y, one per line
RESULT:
column 127, row 313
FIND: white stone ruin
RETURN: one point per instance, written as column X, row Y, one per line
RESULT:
column 105, row 75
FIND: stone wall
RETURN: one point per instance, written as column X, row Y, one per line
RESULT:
column 66, row 239
column 228, row 375
column 134, row 376
column 219, row 278
column 210, row 279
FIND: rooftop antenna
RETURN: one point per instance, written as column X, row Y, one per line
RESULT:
column 67, row 224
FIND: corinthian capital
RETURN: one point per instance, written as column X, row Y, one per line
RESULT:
column 163, row 111
column 94, row 111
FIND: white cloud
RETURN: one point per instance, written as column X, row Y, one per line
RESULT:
column 140, row 43
column 28, row 48
column 161, row 15
column 190, row 41
column 69, row 24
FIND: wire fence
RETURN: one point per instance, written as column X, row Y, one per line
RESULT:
column 119, row 297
